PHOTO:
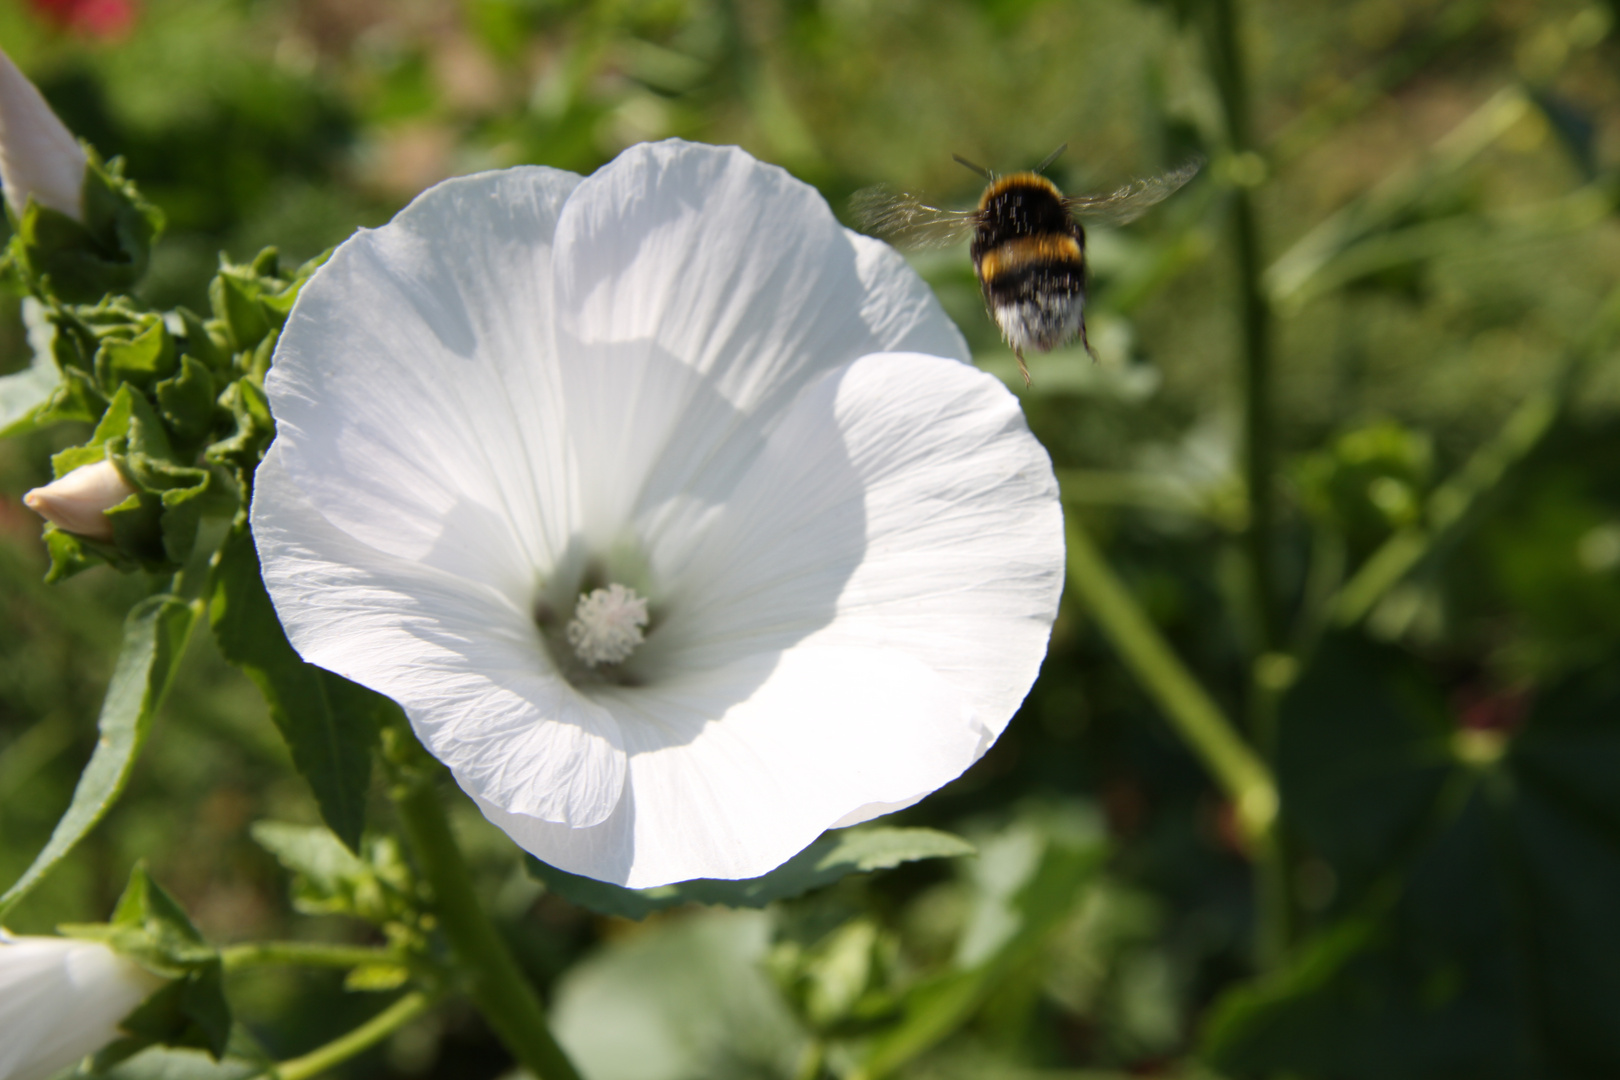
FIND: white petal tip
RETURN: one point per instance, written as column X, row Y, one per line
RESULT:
column 39, row 157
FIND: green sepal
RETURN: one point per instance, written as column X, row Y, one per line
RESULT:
column 75, row 398
column 156, row 526
column 149, row 927
column 251, row 303
column 186, row 401
column 240, row 451
column 58, row 339
column 207, row 343
column 235, row 297
column 142, row 354
column 106, row 253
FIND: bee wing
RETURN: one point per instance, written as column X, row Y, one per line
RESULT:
column 1134, row 199
column 902, row 219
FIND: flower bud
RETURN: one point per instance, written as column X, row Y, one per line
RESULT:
column 39, row 156
column 80, row 500
column 61, row 999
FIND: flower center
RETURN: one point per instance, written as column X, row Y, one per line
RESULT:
column 607, row 624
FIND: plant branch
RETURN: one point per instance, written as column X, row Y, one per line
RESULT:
column 362, row 1038
column 305, row 954
column 1191, row 711
column 1227, row 62
column 496, row 984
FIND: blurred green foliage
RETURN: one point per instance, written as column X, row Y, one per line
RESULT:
column 1434, row 189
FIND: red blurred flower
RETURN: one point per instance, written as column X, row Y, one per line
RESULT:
column 94, row 18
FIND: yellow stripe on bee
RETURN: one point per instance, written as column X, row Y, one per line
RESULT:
column 1004, row 184
column 1052, row 247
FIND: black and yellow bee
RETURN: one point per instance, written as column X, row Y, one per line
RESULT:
column 1028, row 249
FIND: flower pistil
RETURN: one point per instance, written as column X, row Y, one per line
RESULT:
column 607, row 625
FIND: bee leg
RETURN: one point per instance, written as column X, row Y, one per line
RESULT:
column 1086, row 344
column 1018, row 354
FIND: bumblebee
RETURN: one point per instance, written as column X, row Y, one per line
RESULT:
column 1028, row 246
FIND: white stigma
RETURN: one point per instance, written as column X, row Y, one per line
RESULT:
column 606, row 627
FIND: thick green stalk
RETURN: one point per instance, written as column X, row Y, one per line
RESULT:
column 1191, row 711
column 1241, row 774
column 1226, row 60
column 494, row 981
column 362, row 1038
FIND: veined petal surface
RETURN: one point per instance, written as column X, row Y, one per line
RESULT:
column 681, row 375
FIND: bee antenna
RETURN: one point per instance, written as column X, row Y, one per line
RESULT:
column 980, row 169
column 1053, row 156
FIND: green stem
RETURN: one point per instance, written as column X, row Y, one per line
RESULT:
column 1226, row 60
column 304, row 954
column 1150, row 491
column 362, row 1038
column 1194, row 714
column 496, row 984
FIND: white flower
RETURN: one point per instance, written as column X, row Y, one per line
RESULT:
column 78, row 502
column 681, row 382
column 38, row 155
column 61, row 999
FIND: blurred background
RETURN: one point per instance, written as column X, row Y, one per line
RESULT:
column 1432, row 188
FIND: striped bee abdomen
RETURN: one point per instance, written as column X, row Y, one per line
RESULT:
column 1029, row 254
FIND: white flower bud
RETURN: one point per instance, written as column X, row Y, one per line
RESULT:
column 61, row 999
column 79, row 502
column 38, row 154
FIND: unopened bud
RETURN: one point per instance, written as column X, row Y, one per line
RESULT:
column 80, row 500
column 39, row 156
column 63, row 999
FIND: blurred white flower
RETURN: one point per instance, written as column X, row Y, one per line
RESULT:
column 78, row 502
column 38, row 155
column 61, row 999
column 668, row 509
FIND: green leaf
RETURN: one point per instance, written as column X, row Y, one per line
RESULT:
column 155, row 635
column 315, row 854
column 1024, row 899
column 329, row 723
column 687, row 998
column 831, row 857
column 1483, row 942
column 164, row 1063
column 329, row 879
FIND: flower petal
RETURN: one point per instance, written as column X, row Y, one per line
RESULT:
column 701, row 289
column 732, row 771
column 61, row 999
column 901, row 503
column 415, row 385
column 871, row 604
column 465, row 661
column 39, row 156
